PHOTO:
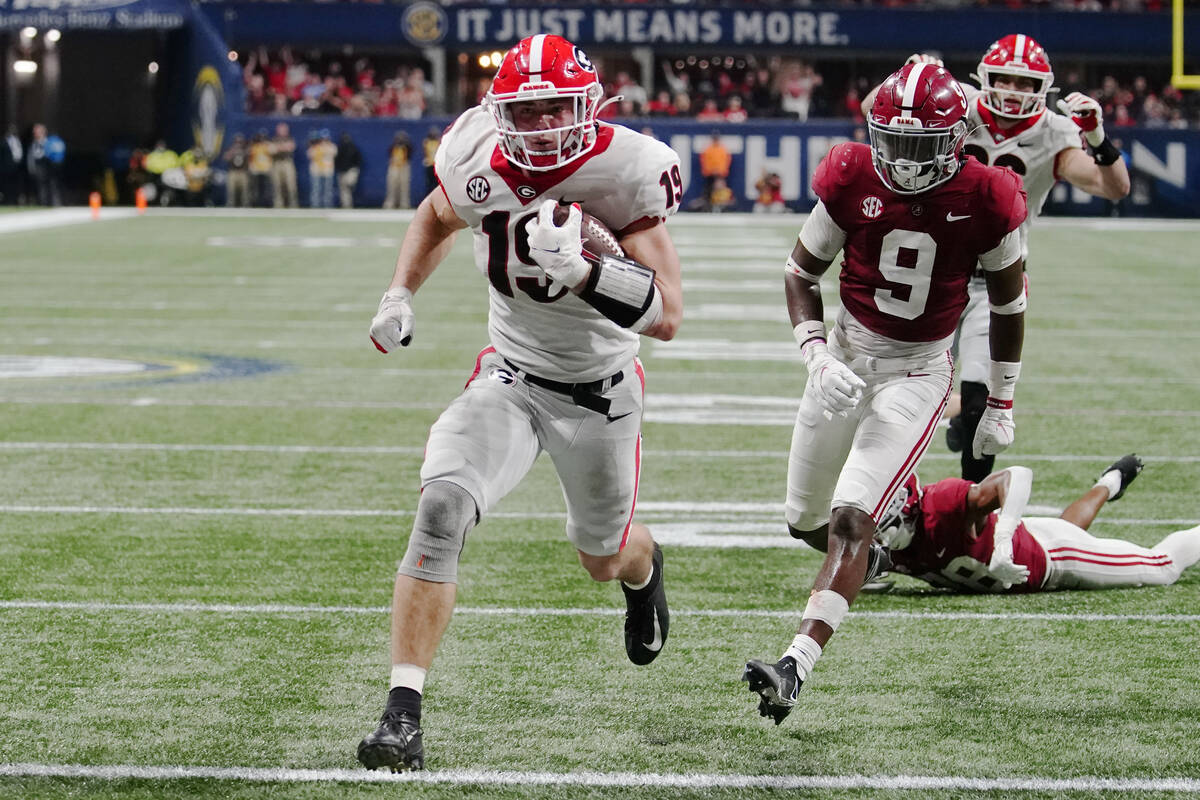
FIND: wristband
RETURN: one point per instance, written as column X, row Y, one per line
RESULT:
column 1106, row 154
column 809, row 331
column 1002, row 383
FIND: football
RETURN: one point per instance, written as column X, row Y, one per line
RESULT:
column 598, row 239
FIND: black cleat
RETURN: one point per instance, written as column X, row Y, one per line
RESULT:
column 954, row 434
column 777, row 686
column 1129, row 466
column 395, row 744
column 647, row 617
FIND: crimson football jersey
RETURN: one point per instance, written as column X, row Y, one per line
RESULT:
column 908, row 258
column 943, row 553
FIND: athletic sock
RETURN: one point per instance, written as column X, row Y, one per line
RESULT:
column 1110, row 480
column 805, row 651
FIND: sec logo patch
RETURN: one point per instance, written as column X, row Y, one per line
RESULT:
column 478, row 189
column 872, row 206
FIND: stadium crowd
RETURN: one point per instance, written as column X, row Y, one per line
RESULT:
column 718, row 89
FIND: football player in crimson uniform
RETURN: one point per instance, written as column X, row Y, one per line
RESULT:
column 561, row 373
column 1009, row 126
column 973, row 537
column 912, row 216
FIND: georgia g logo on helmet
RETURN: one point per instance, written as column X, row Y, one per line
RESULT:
column 544, row 99
column 917, row 128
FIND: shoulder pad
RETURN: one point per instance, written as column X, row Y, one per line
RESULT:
column 840, row 167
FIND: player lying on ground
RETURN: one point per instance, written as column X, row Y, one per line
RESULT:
column 974, row 537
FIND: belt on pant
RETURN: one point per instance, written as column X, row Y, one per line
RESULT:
column 585, row 395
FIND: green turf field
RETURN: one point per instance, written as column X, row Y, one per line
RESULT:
column 197, row 540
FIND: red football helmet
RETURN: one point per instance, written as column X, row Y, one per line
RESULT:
column 917, row 127
column 545, row 68
column 898, row 522
column 1015, row 56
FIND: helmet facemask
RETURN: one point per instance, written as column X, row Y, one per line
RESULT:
column 556, row 139
column 898, row 522
column 1010, row 102
column 910, row 159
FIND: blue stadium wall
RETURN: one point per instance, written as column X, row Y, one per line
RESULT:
column 1165, row 164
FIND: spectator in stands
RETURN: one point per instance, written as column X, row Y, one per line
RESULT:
column 709, row 112
column 12, row 168
column 399, row 174
column 410, row 99
column 283, row 168
column 429, row 146
column 634, row 92
column 715, row 162
column 734, row 112
column 770, row 194
column 237, row 181
column 763, row 100
column 321, row 152
column 661, row 105
column 347, row 163
column 262, row 191
column 796, row 89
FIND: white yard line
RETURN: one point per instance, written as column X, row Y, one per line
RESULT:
column 22, row 221
column 260, row 609
column 686, row 780
column 666, row 510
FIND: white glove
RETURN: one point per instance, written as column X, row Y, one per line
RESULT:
column 924, row 58
column 1003, row 568
column 833, row 384
column 558, row 251
column 393, row 323
column 1085, row 112
column 996, row 429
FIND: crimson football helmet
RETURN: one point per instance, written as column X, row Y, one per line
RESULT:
column 898, row 522
column 1015, row 56
column 917, row 127
column 539, row 68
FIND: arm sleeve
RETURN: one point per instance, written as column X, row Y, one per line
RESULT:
column 820, row 235
column 1003, row 254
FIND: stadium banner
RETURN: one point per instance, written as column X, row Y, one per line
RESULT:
column 1164, row 164
column 96, row 15
column 671, row 28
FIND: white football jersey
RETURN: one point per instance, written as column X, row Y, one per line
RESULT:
column 1030, row 151
column 627, row 180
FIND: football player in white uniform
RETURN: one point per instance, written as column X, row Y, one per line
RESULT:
column 561, row 372
column 1010, row 127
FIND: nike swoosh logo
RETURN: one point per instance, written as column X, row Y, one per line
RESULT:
column 941, row 552
column 1024, row 144
column 1010, row 377
column 956, row 217
column 655, row 644
column 544, row 250
column 614, row 418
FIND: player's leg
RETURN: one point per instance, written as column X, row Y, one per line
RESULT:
column 1110, row 486
column 974, row 356
column 1079, row 560
column 598, row 460
column 469, row 465
column 893, row 428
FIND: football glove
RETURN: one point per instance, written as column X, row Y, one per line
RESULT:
column 996, row 429
column 1085, row 112
column 832, row 384
column 1003, row 568
column 558, row 250
column 924, row 58
column 392, row 326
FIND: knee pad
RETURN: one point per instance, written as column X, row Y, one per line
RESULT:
column 445, row 513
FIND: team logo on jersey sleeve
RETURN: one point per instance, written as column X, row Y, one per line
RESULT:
column 872, row 206
column 478, row 188
column 502, row 375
